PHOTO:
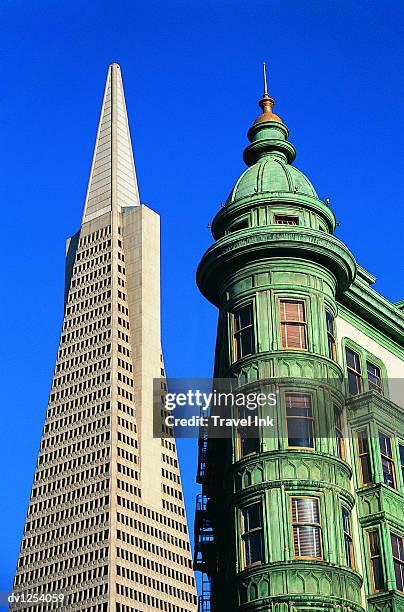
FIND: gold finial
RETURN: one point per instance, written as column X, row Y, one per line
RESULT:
column 266, row 102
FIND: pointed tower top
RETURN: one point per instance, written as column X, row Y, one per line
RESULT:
column 264, row 70
column 113, row 183
column 267, row 103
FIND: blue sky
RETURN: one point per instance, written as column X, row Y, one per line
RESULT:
column 192, row 78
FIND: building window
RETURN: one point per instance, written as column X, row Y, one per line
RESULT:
column 401, row 453
column 299, row 420
column 355, row 381
column 386, row 450
column 348, row 543
column 252, row 535
column 364, row 457
column 397, row 546
column 339, row 435
column 374, row 377
column 293, row 324
column 286, row 220
column 248, row 436
column 306, row 528
column 376, row 564
column 332, row 349
column 243, row 333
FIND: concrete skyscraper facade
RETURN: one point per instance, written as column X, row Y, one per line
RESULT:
column 308, row 515
column 106, row 523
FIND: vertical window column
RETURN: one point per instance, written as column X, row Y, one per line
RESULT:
column 397, row 547
column 364, row 457
column 348, row 543
column 243, row 332
column 339, row 434
column 293, row 324
column 299, row 420
column 386, row 451
column 332, row 347
column 306, row 527
column 376, row 564
column 374, row 377
column 355, row 379
column 252, row 534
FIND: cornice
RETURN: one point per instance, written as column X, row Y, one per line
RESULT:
column 252, row 244
column 372, row 322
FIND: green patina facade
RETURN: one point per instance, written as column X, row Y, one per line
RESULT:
column 339, row 495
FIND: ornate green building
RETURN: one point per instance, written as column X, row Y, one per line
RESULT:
column 309, row 516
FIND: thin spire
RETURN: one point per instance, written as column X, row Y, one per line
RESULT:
column 113, row 183
column 264, row 70
column 267, row 103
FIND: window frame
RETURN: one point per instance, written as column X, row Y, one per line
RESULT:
column 397, row 559
column 389, row 459
column 245, row 534
column 311, row 419
column 365, row 357
column 401, row 458
column 293, row 322
column 237, row 332
column 371, row 558
column 348, row 538
column 331, row 336
column 339, row 433
column 357, row 373
column 278, row 216
column 372, row 386
column 315, row 525
column 239, row 438
column 364, row 454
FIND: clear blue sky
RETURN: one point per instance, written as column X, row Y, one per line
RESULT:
column 192, row 76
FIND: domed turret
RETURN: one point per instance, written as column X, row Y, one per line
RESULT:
column 271, row 173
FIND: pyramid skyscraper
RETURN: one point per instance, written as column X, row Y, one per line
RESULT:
column 106, row 524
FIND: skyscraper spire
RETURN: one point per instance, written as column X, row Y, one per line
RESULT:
column 106, row 524
column 113, row 182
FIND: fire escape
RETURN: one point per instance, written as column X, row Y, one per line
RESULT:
column 205, row 550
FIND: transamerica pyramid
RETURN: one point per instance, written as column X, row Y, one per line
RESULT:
column 106, row 525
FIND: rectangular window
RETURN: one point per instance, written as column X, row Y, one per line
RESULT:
column 286, row 220
column 243, row 333
column 386, row 451
column 339, row 434
column 248, row 437
column 299, row 420
column 252, row 534
column 397, row 546
column 348, row 543
column 353, row 362
column 306, row 528
column 364, row 457
column 376, row 564
column 401, row 453
column 293, row 324
column 374, row 377
column 332, row 349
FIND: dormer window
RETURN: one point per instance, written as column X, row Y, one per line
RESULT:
column 286, row 220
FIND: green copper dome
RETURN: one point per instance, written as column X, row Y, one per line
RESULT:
column 270, row 156
column 271, row 173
